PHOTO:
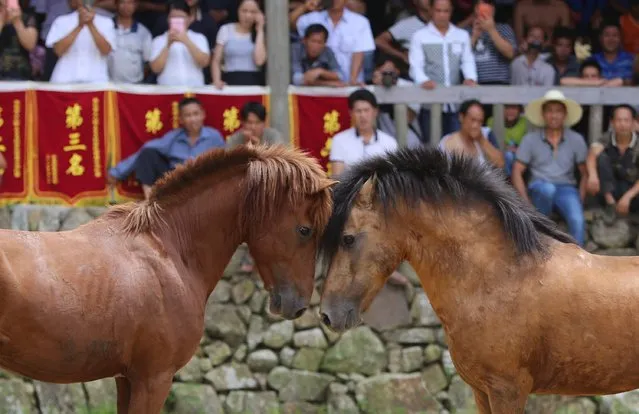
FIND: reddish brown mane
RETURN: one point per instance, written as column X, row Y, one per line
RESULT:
column 274, row 176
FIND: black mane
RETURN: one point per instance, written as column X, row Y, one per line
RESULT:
column 429, row 175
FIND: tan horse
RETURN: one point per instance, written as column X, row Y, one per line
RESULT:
column 124, row 295
column 525, row 310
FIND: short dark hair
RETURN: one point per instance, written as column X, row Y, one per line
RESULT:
column 632, row 110
column 316, row 28
column 609, row 22
column 589, row 63
column 179, row 5
column 467, row 104
column 362, row 95
column 432, row 3
column 188, row 101
column 254, row 108
column 563, row 32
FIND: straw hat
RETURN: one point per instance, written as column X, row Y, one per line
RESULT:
column 534, row 109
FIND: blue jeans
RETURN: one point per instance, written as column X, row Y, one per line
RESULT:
column 565, row 197
column 509, row 160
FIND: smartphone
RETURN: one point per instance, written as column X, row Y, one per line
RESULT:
column 176, row 24
column 13, row 5
column 88, row 3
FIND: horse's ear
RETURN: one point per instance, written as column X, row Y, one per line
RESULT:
column 366, row 194
column 325, row 184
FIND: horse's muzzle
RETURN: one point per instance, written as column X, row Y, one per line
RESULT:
column 340, row 316
column 287, row 303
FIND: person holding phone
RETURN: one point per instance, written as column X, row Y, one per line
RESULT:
column 18, row 36
column 241, row 47
column 82, row 40
column 179, row 54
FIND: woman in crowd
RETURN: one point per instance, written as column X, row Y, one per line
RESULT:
column 241, row 48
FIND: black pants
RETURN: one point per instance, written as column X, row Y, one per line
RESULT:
column 611, row 183
column 150, row 166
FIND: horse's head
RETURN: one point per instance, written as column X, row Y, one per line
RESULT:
column 362, row 253
column 284, row 242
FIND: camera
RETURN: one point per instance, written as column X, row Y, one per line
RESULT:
column 628, row 174
column 389, row 78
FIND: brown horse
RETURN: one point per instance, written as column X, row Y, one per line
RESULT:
column 124, row 295
column 525, row 310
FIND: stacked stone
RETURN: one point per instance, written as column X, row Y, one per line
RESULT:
column 252, row 362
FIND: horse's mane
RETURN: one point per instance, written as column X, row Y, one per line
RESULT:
column 274, row 175
column 430, row 175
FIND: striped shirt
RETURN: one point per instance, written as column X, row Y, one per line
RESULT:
column 492, row 66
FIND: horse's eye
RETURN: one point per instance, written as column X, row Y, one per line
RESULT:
column 304, row 231
column 348, row 240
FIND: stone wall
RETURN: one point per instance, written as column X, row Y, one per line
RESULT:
column 252, row 362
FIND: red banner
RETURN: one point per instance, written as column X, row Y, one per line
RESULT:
column 70, row 146
column 56, row 146
column 316, row 119
column 142, row 117
column 13, row 146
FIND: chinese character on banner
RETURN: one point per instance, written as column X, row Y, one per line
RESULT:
column 74, row 116
column 75, row 168
column 153, row 121
column 231, row 119
column 3, row 148
column 331, row 122
column 74, row 120
column 325, row 152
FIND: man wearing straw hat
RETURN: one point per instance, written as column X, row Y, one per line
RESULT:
column 551, row 154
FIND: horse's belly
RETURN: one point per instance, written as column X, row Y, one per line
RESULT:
column 589, row 373
column 51, row 358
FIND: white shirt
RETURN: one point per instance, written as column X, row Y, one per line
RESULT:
column 82, row 62
column 349, row 148
column 352, row 34
column 180, row 68
column 439, row 57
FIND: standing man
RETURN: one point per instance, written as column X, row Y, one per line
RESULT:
column 552, row 153
column 160, row 155
column 437, row 54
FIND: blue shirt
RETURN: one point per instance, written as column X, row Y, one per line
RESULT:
column 176, row 146
column 620, row 68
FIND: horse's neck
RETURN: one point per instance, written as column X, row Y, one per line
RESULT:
column 454, row 261
column 201, row 233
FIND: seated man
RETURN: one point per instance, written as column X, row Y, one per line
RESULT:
column 613, row 166
column 312, row 62
column 158, row 156
column 551, row 154
column 254, row 130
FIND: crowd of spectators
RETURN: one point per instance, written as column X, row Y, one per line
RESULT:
column 336, row 43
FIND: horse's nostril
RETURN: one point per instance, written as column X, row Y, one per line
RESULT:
column 325, row 319
column 300, row 312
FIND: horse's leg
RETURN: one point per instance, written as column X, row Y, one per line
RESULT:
column 507, row 401
column 124, row 394
column 149, row 394
column 482, row 401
